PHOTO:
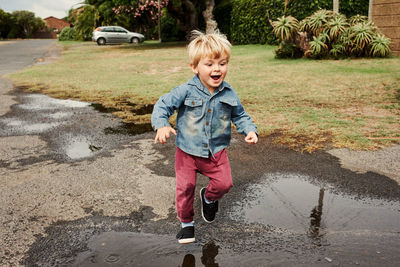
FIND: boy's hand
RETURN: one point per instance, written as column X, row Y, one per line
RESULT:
column 163, row 134
column 251, row 138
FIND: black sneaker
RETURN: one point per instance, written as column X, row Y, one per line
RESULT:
column 186, row 235
column 208, row 211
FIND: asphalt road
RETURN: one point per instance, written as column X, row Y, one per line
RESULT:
column 80, row 188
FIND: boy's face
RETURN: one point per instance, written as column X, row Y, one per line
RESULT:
column 211, row 72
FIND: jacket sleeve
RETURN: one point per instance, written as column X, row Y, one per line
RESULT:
column 242, row 120
column 166, row 106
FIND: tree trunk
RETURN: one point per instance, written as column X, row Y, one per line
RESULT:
column 302, row 40
column 371, row 2
column 336, row 6
column 211, row 24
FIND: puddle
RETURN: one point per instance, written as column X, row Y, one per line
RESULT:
column 291, row 202
column 134, row 249
column 80, row 148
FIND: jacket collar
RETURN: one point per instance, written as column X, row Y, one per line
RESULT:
column 196, row 82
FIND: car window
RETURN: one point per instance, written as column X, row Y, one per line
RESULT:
column 120, row 30
column 107, row 29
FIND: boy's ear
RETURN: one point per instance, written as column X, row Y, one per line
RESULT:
column 194, row 69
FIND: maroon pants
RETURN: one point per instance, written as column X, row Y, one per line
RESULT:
column 217, row 169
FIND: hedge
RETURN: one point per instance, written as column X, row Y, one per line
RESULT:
column 67, row 34
column 249, row 20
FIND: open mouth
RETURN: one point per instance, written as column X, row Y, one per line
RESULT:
column 215, row 77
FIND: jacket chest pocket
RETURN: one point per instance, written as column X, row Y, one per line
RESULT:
column 194, row 106
column 227, row 106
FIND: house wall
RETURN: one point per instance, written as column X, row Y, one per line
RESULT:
column 386, row 15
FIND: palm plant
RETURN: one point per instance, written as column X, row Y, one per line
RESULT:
column 357, row 19
column 345, row 41
column 318, row 48
column 337, row 25
column 285, row 28
column 86, row 20
column 317, row 21
column 361, row 34
column 338, row 50
column 304, row 25
column 380, row 46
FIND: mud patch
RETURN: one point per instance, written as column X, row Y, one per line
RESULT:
column 129, row 129
column 136, row 109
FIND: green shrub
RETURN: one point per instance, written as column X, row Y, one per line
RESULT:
column 170, row 30
column 67, row 34
column 249, row 18
column 222, row 15
column 249, row 23
column 333, row 36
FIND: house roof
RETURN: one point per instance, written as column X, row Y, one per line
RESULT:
column 55, row 23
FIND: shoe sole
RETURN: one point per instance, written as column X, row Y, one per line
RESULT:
column 202, row 214
column 186, row 240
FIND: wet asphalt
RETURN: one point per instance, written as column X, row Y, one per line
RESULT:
column 80, row 188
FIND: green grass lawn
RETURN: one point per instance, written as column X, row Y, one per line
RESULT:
column 306, row 104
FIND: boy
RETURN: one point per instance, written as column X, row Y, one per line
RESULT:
column 206, row 106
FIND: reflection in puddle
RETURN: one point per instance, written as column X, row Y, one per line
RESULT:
column 316, row 216
column 134, row 249
column 80, row 149
column 289, row 201
column 19, row 126
column 59, row 115
column 39, row 127
column 44, row 102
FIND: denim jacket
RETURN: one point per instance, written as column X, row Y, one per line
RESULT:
column 204, row 119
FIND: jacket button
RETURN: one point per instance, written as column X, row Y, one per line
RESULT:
column 207, row 123
column 192, row 103
column 205, row 146
column 209, row 110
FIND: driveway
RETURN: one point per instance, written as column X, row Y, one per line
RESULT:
column 80, row 188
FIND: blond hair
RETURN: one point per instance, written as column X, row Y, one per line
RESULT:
column 210, row 45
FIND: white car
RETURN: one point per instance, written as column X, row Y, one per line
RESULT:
column 115, row 35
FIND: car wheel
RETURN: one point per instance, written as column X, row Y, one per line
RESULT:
column 101, row 41
column 135, row 40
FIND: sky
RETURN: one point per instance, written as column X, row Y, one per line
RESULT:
column 41, row 8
